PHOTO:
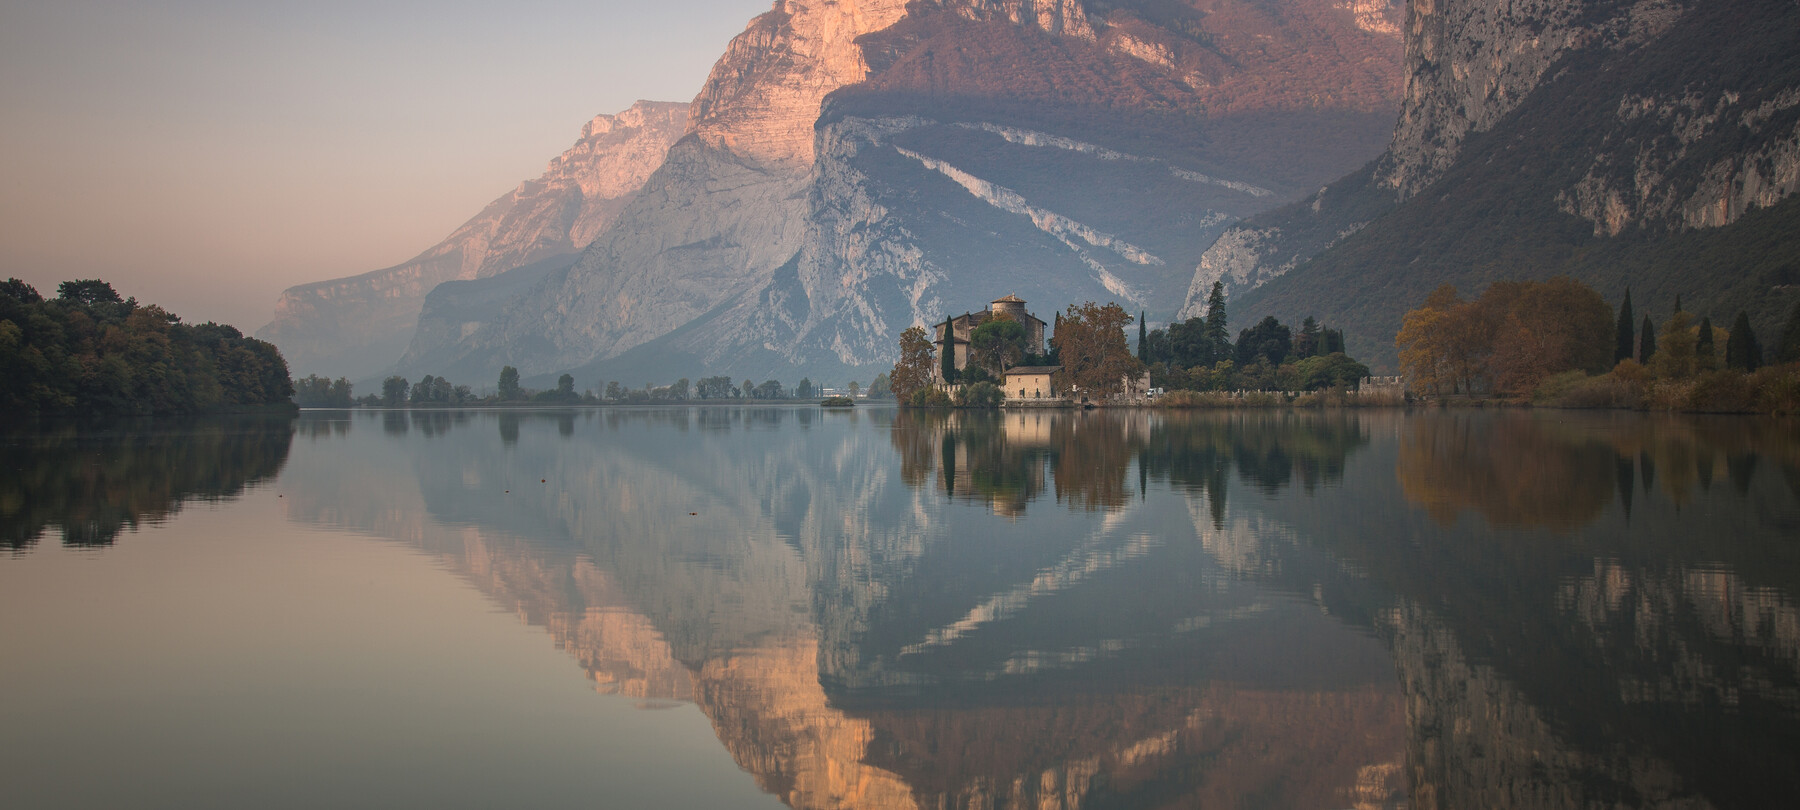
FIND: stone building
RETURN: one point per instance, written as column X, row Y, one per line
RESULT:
column 952, row 336
column 1030, row 382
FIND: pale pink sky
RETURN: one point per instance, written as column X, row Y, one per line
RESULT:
column 206, row 155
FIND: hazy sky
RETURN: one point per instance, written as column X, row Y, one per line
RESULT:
column 206, row 155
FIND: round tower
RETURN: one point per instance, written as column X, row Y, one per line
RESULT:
column 1011, row 306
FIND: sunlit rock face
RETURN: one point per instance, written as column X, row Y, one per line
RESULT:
column 358, row 326
column 856, row 168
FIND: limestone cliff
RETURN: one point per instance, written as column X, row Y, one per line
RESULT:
column 358, row 326
column 1652, row 120
column 855, row 168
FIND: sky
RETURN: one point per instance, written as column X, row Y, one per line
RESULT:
column 204, row 156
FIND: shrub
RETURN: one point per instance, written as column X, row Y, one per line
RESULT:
column 932, row 397
column 1556, row 387
column 1777, row 388
column 979, row 395
column 1721, row 392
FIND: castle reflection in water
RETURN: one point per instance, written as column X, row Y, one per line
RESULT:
column 1139, row 609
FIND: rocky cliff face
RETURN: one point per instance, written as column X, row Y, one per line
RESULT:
column 357, row 326
column 859, row 167
column 1647, row 120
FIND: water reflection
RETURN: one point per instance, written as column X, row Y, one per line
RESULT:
column 1134, row 609
column 93, row 484
column 1065, row 609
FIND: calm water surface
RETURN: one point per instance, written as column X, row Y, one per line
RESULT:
column 744, row 607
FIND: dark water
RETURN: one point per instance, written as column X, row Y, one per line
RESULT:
column 741, row 607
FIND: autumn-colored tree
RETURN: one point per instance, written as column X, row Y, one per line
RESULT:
column 1546, row 327
column 1445, row 343
column 913, row 372
column 1675, row 348
column 1096, row 357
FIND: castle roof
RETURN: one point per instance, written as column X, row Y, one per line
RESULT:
column 1009, row 299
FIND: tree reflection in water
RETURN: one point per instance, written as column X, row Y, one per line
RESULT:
column 93, row 484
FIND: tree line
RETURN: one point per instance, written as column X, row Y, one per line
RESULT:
column 397, row 392
column 1198, row 355
column 1558, row 342
column 90, row 351
column 1089, row 343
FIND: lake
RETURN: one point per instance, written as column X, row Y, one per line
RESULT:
column 759, row 607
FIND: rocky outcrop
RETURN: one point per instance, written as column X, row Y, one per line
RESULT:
column 1068, row 153
column 1654, row 120
column 358, row 326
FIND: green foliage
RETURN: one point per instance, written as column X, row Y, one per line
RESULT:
column 879, row 388
column 837, row 402
column 1268, row 340
column 1335, row 370
column 979, row 395
column 509, row 384
column 932, row 397
column 1623, row 338
column 805, row 389
column 93, row 485
column 996, row 345
column 317, row 392
column 394, row 391
column 1647, row 344
column 91, row 353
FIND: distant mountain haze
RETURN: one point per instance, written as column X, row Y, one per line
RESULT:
column 852, row 169
column 358, row 326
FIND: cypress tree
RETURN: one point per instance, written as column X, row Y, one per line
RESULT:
column 1143, row 342
column 1741, row 350
column 1678, row 302
column 947, row 358
column 1704, row 352
column 1625, row 339
column 1788, row 351
column 1647, row 341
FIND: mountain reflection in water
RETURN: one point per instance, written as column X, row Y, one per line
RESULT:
column 1136, row 609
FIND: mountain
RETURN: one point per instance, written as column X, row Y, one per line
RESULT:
column 1653, row 145
column 854, row 168
column 358, row 326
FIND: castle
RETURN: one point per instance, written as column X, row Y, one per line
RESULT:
column 952, row 337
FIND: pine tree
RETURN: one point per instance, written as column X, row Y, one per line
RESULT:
column 1215, row 322
column 1741, row 349
column 1625, row 340
column 1647, row 341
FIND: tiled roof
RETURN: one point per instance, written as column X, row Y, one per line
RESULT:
column 1032, row 370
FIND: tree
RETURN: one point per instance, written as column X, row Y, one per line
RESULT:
column 1647, row 341
column 947, row 357
column 19, row 292
column 1706, row 357
column 1216, row 335
column 1547, row 327
column 1143, row 338
column 1306, row 344
column 1675, row 352
column 997, row 345
column 913, row 371
column 393, row 391
column 565, row 385
column 509, row 383
column 879, row 388
column 805, row 389
column 615, row 391
column 1741, row 349
column 1095, row 356
column 1788, row 351
column 747, row 390
column 87, row 291
column 680, row 389
column 854, row 389
column 770, row 389
column 1268, row 339
column 1446, row 342
column 1623, row 339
